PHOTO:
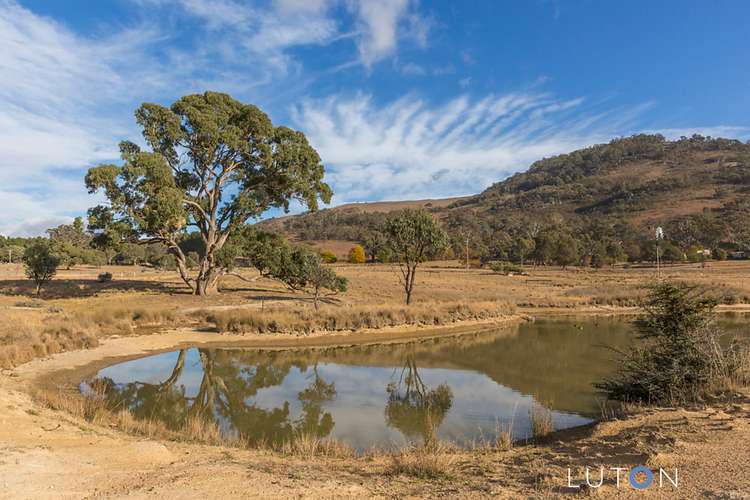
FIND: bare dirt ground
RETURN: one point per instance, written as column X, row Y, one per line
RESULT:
column 50, row 454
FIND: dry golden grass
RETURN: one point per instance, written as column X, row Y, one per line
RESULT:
column 307, row 320
column 541, row 420
column 432, row 460
column 28, row 333
column 309, row 446
column 76, row 311
column 25, row 336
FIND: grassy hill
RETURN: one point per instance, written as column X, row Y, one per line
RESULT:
column 601, row 197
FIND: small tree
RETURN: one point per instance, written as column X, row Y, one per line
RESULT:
column 298, row 268
column 41, row 264
column 413, row 237
column 671, row 253
column 545, row 245
column 375, row 243
column 357, row 255
column 599, row 257
column 304, row 271
column 680, row 357
column 320, row 278
column 521, row 248
column 566, row 251
column 615, row 252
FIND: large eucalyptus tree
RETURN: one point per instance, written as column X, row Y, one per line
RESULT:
column 212, row 163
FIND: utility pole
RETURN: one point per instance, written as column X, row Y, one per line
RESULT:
column 467, row 253
column 659, row 236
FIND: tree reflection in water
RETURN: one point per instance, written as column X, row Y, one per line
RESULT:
column 225, row 396
column 412, row 407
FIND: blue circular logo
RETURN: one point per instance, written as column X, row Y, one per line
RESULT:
column 646, row 483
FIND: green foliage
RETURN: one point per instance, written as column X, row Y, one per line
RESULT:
column 566, row 250
column 213, row 163
column 680, row 356
column 357, row 255
column 41, row 264
column 522, row 248
column 671, row 253
column 328, row 257
column 506, row 268
column 166, row 261
column 599, row 257
column 384, row 255
column 414, row 236
column 11, row 249
column 304, row 270
column 296, row 267
column 269, row 253
column 73, row 245
column 374, row 242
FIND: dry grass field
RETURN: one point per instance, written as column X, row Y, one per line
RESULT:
column 75, row 310
column 53, row 430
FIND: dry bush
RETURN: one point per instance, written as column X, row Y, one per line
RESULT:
column 308, row 446
column 25, row 336
column 432, row 460
column 30, row 334
column 150, row 428
column 504, row 436
column 92, row 408
column 541, row 420
column 353, row 318
column 202, row 430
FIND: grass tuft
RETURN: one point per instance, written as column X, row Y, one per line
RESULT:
column 432, row 460
column 541, row 420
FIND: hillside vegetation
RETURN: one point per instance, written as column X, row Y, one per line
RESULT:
column 596, row 205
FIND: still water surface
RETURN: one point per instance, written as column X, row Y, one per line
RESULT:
column 383, row 396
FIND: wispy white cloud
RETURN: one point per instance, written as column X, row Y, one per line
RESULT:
column 411, row 149
column 381, row 24
column 273, row 28
column 413, row 69
column 51, row 84
column 66, row 98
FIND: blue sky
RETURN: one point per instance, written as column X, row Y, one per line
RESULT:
column 403, row 99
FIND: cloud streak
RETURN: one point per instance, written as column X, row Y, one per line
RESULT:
column 411, row 149
column 66, row 99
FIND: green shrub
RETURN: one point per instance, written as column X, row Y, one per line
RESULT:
column 40, row 263
column 506, row 268
column 679, row 358
column 328, row 257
